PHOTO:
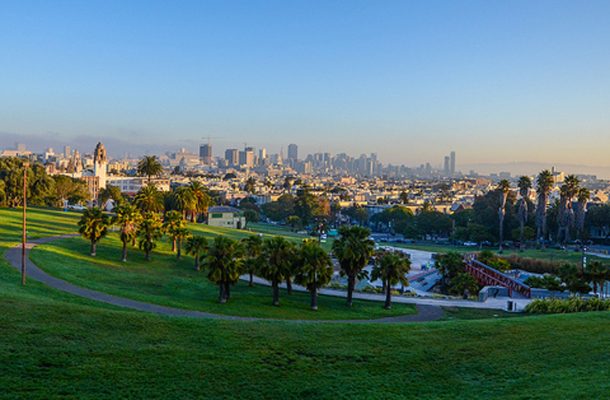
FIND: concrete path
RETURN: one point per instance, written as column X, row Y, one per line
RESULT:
column 13, row 256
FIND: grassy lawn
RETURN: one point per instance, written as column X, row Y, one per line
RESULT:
column 174, row 283
column 546, row 254
column 54, row 345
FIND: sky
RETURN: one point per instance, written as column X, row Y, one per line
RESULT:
column 496, row 81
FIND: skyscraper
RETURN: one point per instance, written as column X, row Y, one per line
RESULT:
column 446, row 166
column 205, row 153
column 293, row 152
column 452, row 163
column 232, row 157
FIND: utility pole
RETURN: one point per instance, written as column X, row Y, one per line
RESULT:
column 24, row 228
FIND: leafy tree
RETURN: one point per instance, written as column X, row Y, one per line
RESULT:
column 544, row 185
column 449, row 265
column 183, row 199
column 432, row 223
column 172, row 225
column 203, row 200
column 93, row 226
column 393, row 219
column 68, row 189
column 250, row 185
column 525, row 184
column 464, row 284
column 128, row 218
column 353, row 249
column 109, row 192
column 315, row 269
column 504, row 189
column 391, row 267
column 596, row 273
column 224, row 262
column 280, row 209
column 572, row 278
column 275, row 263
column 195, row 246
column 149, row 199
column 150, row 231
column 149, row 166
column 253, row 246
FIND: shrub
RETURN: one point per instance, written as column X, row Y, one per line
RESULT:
column 571, row 305
column 533, row 264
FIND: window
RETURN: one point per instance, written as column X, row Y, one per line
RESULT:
column 216, row 215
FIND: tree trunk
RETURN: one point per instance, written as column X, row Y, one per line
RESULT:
column 314, row 299
column 250, row 281
column 501, row 231
column 350, row 289
column 388, row 296
column 173, row 245
column 288, row 285
column 124, row 259
column 197, row 262
column 179, row 253
column 93, row 248
column 276, row 293
column 221, row 293
column 147, row 255
column 227, row 290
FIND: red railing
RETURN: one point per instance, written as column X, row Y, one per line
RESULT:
column 489, row 276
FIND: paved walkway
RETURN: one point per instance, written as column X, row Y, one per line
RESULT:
column 13, row 256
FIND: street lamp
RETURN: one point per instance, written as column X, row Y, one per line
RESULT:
column 24, row 230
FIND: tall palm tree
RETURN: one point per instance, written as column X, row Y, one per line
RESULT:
column 503, row 188
column 596, row 273
column 253, row 247
column 315, row 269
column 391, row 267
column 223, row 261
column 353, row 249
column 525, row 184
column 544, row 185
column 182, row 234
column 150, row 231
column 202, row 199
column 149, row 199
column 172, row 224
column 183, row 200
column 569, row 189
column 275, row 263
column 128, row 218
column 149, row 166
column 195, row 246
column 582, row 197
column 93, row 226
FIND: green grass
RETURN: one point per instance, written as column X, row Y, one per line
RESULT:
column 174, row 283
column 455, row 313
column 54, row 345
column 544, row 254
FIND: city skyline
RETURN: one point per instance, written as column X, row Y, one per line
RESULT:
column 500, row 84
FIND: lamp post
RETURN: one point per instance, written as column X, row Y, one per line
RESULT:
column 24, row 229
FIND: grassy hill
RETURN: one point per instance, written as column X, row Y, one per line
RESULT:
column 54, row 345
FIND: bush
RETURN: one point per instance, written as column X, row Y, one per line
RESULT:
column 533, row 265
column 571, row 305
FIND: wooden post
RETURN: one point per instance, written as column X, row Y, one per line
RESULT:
column 24, row 227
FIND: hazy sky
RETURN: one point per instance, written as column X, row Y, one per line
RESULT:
column 497, row 81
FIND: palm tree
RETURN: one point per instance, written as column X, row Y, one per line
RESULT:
column 172, row 224
column 504, row 189
column 128, row 218
column 149, row 199
column 391, row 267
column 149, row 232
column 596, row 273
column 353, row 249
column 569, row 190
column 315, row 269
column 223, row 262
column 253, row 248
column 525, row 184
column 582, row 196
column 195, row 246
column 183, row 199
column 202, row 199
column 93, row 225
column 149, row 166
column 181, row 235
column 544, row 184
column 275, row 263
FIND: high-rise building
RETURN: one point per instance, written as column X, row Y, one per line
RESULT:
column 262, row 155
column 205, row 153
column 452, row 163
column 246, row 157
column 293, row 152
column 232, row 157
column 100, row 164
column 446, row 166
column 67, row 151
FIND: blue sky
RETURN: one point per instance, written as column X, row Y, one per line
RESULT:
column 495, row 81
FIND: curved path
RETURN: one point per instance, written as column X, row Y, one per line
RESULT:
column 13, row 256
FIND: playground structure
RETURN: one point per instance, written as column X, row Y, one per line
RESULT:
column 488, row 276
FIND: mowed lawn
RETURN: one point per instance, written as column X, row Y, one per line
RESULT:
column 54, row 345
column 168, row 281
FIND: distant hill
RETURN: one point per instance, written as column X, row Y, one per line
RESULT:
column 532, row 168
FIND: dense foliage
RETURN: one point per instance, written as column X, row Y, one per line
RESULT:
column 571, row 305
